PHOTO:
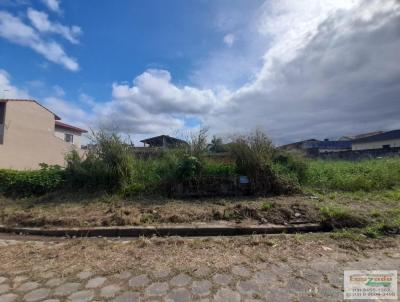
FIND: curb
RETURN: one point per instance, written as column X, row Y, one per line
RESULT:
column 167, row 230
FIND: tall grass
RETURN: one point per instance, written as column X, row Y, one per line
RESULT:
column 366, row 175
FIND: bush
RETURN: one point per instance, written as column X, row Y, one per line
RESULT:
column 253, row 155
column 28, row 183
column 108, row 165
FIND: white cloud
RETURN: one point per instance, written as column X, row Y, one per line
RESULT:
column 335, row 77
column 41, row 22
column 15, row 30
column 153, row 104
column 229, row 39
column 68, row 111
column 53, row 5
column 8, row 91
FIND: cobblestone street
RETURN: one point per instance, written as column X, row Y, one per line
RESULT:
column 317, row 278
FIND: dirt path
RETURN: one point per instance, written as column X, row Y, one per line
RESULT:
column 254, row 268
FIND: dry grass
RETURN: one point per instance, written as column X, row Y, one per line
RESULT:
column 67, row 257
column 113, row 211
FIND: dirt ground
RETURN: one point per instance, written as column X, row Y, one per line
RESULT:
column 116, row 212
column 104, row 210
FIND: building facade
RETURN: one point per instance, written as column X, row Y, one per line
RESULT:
column 385, row 140
column 29, row 136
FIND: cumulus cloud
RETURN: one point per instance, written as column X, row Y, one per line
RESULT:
column 53, row 5
column 15, row 30
column 41, row 22
column 336, row 78
column 9, row 91
column 153, row 104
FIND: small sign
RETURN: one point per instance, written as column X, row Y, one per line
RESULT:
column 370, row 285
column 243, row 179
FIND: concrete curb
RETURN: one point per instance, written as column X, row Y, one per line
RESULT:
column 167, row 230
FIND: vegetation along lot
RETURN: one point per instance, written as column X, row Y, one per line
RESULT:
column 111, row 187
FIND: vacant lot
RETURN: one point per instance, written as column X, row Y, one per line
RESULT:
column 338, row 209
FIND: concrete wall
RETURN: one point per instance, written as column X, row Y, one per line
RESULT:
column 376, row 145
column 60, row 133
column 29, row 138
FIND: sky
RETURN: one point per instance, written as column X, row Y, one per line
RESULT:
column 297, row 69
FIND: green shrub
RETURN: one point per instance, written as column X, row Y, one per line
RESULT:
column 108, row 165
column 133, row 190
column 291, row 165
column 335, row 216
column 215, row 168
column 253, row 155
column 28, row 183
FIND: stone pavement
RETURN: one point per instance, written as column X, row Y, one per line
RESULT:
column 319, row 279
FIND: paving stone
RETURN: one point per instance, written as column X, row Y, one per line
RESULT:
column 178, row 295
column 109, row 291
column 201, row 288
column 325, row 266
column 96, row 282
column 4, row 288
column 84, row 275
column 139, row 281
column 181, row 280
column 312, row 276
column 226, row 294
column 81, row 296
column 123, row 275
column 3, row 279
column 28, row 286
column 241, row 271
column 54, row 282
column 47, row 275
column 255, row 300
column 37, row 294
column 265, row 277
column 157, row 289
column 128, row 297
column 326, row 291
column 202, row 272
column 67, row 289
column 249, row 288
column 20, row 279
column 278, row 295
column 51, row 300
column 162, row 274
column 222, row 279
column 8, row 297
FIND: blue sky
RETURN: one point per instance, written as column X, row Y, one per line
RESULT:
column 152, row 67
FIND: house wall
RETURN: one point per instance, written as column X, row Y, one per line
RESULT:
column 60, row 133
column 376, row 145
column 29, row 138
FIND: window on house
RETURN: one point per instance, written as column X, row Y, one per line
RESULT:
column 2, row 120
column 386, row 146
column 69, row 138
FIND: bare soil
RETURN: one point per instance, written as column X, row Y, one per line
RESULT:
column 117, row 212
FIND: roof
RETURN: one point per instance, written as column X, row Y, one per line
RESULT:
column 158, row 139
column 297, row 144
column 394, row 134
column 70, row 127
column 29, row 100
column 327, row 144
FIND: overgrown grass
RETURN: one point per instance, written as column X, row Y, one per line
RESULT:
column 366, row 175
